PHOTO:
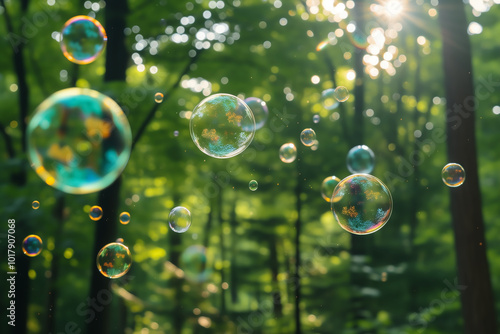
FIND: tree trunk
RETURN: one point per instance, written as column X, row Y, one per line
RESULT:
column 298, row 223
column 473, row 272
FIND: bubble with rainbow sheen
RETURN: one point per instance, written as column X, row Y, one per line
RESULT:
column 361, row 204
column 95, row 213
column 253, row 185
column 328, row 99
column 193, row 262
column 307, row 137
column 288, row 153
column 222, row 126
column 453, row 175
column 35, row 205
column 341, row 94
column 179, row 219
column 83, row 39
column 32, row 245
column 124, row 218
column 328, row 186
column 260, row 111
column 158, row 97
column 360, row 159
column 114, row 260
column 79, row 141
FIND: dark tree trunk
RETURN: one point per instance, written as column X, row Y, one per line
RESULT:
column 473, row 270
column 298, row 225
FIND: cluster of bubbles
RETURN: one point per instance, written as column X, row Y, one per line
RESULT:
column 124, row 218
column 179, row 219
column 453, row 175
column 308, row 137
column 114, row 260
column 288, row 153
column 193, row 261
column 360, row 159
column 95, row 213
column 83, row 39
column 32, row 245
column 253, row 185
column 35, row 205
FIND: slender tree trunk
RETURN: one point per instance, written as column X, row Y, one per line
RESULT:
column 474, row 282
column 298, row 225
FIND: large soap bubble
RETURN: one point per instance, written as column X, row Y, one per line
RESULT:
column 79, row 141
column 222, row 126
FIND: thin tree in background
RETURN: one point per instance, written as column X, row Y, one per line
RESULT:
column 473, row 271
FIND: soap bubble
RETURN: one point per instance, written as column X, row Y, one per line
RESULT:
column 328, row 186
column 360, row 159
column 114, row 260
column 341, row 94
column 328, row 99
column 222, row 126
column 32, row 245
column 288, row 153
column 124, row 218
column 193, row 261
column 35, row 205
column 316, row 118
column 361, row 204
column 83, row 39
column 260, row 112
column 176, row 133
column 453, row 175
column 179, row 219
column 315, row 145
column 158, row 97
column 253, row 185
column 79, row 141
column 95, row 213
column 307, row 137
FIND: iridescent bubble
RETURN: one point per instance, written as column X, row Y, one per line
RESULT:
column 83, row 39
column 361, row 204
column 179, row 219
column 453, row 175
column 222, row 126
column 328, row 99
column 328, row 186
column 315, row 145
column 260, row 112
column 360, row 159
column 193, row 261
column 95, row 213
column 288, row 153
column 79, row 141
column 124, row 218
column 114, row 260
column 253, row 185
column 158, row 97
column 341, row 94
column 307, row 137
column 35, row 205
column 32, row 245
column 316, row 118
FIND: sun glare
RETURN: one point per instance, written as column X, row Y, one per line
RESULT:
column 393, row 8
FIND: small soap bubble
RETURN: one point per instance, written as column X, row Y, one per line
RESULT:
column 288, row 153
column 95, row 213
column 158, row 97
column 341, row 94
column 83, row 39
column 453, row 175
column 32, row 245
column 328, row 186
column 222, row 126
column 360, row 159
column 328, row 99
column 114, row 260
column 176, row 133
column 307, row 137
column 361, row 204
column 253, row 185
column 124, row 218
column 315, row 145
column 35, row 205
column 179, row 219
column 316, row 118
column 193, row 261
column 259, row 109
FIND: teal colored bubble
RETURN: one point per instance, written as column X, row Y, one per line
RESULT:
column 360, row 159
column 193, row 261
column 79, row 141
column 32, row 245
column 288, row 153
column 328, row 186
column 328, row 99
column 259, row 109
column 222, row 126
column 114, row 260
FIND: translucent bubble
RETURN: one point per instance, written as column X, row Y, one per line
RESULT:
column 288, row 153
column 179, row 219
column 316, row 118
column 315, row 145
column 328, row 186
column 361, row 204
column 124, row 218
column 453, row 175
column 83, row 39
column 176, row 133
column 253, row 185
column 158, row 97
column 360, row 159
column 307, row 137
column 79, row 141
column 114, row 260
column 35, row 205
column 95, row 213
column 341, row 94
column 32, row 245
column 222, row 126
column 193, row 261
column 328, row 99
column 260, row 111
